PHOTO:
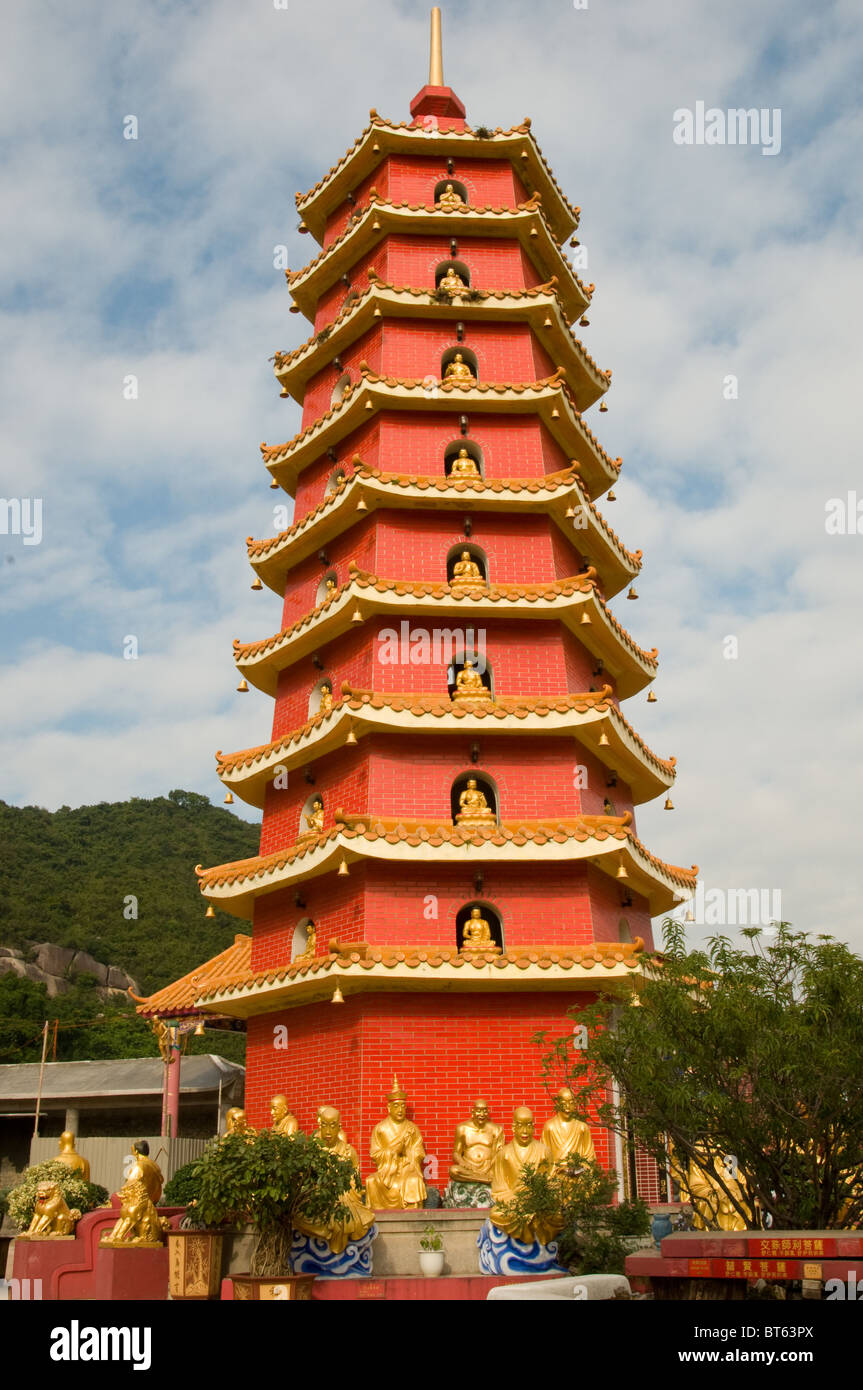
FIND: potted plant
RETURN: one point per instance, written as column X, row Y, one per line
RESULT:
column 269, row 1180
column 431, row 1252
column 194, row 1251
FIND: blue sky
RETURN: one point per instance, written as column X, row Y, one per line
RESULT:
column 154, row 257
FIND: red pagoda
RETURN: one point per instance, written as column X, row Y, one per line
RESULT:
column 448, row 855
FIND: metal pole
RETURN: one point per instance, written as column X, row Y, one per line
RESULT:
column 436, row 51
column 41, row 1075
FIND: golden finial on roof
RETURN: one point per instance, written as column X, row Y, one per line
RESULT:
column 436, row 50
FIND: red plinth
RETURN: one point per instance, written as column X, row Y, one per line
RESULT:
column 82, row 1269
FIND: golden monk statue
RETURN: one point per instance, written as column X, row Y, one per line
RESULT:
column 474, row 809
column 283, row 1122
column 51, row 1215
column 396, row 1147
column 338, row 1234
column 566, row 1136
column 469, row 683
column 466, row 571
column 138, row 1223
column 315, row 818
column 458, row 370
column 507, row 1176
column 72, row 1159
column 145, row 1170
column 330, row 588
column 476, row 934
column 477, row 1144
column 452, row 281
column 308, row 950
column 711, row 1206
column 464, row 466
column 326, row 698
column 236, row 1122
column 450, row 199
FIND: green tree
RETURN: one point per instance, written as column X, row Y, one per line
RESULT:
column 750, row 1053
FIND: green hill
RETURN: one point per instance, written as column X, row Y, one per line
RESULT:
column 68, row 876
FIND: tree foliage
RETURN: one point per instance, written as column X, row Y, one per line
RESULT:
column 750, row 1052
column 269, row 1179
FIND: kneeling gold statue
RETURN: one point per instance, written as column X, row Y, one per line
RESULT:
column 51, row 1215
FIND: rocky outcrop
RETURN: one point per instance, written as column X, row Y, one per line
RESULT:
column 56, row 967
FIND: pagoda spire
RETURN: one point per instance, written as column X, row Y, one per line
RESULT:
column 435, row 100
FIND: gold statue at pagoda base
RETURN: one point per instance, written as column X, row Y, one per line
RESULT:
column 474, row 810
column 476, row 935
column 469, row 683
column 236, row 1123
column 52, row 1219
column 464, row 466
column 72, row 1159
column 283, row 1122
column 567, row 1138
column 458, row 370
column 466, row 573
column 507, row 1178
column 477, row 1143
column 396, row 1148
column 452, row 282
column 450, row 199
column 339, row 1234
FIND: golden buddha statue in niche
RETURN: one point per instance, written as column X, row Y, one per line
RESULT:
column 466, row 571
column 330, row 586
column 476, row 934
column 396, row 1148
column 72, row 1159
column 507, row 1176
column 236, row 1122
column 474, row 809
column 450, row 199
column 308, row 950
column 452, row 281
column 464, row 466
column 469, row 683
column 315, row 818
column 338, row 1234
column 326, row 698
column 458, row 370
column 282, row 1121
column 566, row 1136
column 476, row 1145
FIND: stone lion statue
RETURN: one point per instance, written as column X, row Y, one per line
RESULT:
column 51, row 1215
column 138, row 1223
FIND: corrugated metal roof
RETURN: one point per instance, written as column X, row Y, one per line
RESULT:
column 133, row 1076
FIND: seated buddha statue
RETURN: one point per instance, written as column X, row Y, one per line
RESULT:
column 567, row 1138
column 452, row 281
column 463, row 466
column 338, row 1234
column 308, row 950
column 473, row 806
column 469, row 683
column 458, row 370
column 476, row 1145
column 283, row 1121
column 331, row 587
column 507, row 1177
column 450, row 199
column 236, row 1122
column 315, row 818
column 466, row 571
column 326, row 698
column 476, row 934
column 396, row 1148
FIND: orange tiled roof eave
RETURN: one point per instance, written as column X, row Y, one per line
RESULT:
column 383, row 216
column 545, row 396
column 317, row 203
column 179, row 996
column 632, row 666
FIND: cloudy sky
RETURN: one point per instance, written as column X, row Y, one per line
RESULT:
column 153, row 258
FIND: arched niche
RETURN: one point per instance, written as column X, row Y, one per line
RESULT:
column 335, row 479
column 324, row 589
column 491, row 915
column 468, row 356
column 313, row 806
column 481, row 664
column 456, row 553
column 304, row 936
column 340, row 388
column 459, row 267
column 624, row 931
column 471, row 448
column 484, row 783
column 457, row 187
column 317, row 695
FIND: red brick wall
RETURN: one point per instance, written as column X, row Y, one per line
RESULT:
column 447, row 1051
column 489, row 182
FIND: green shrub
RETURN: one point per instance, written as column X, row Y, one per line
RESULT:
column 21, row 1200
column 184, row 1187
